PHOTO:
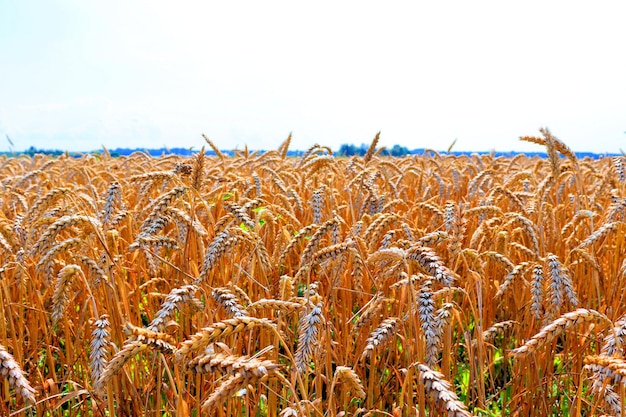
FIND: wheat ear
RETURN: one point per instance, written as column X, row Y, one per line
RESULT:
column 233, row 364
column 197, row 173
column 219, row 330
column 431, row 263
column 215, row 148
column 307, row 336
column 100, row 341
column 236, row 381
column 383, row 333
column 63, row 284
column 113, row 195
column 372, row 148
column 614, row 342
column 159, row 340
column 228, row 300
column 516, row 272
column 536, row 290
column 441, row 391
column 558, row 326
column 497, row 329
column 13, row 373
column 560, row 283
column 351, row 380
column 428, row 322
column 311, row 247
column 174, row 301
column 45, row 241
column 226, row 389
column 117, row 362
column 369, row 311
column 288, row 307
column 607, row 370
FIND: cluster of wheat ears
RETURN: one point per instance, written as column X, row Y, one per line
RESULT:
column 259, row 284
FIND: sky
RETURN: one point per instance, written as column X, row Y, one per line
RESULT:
column 78, row 75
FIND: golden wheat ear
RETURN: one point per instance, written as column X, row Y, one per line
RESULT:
column 442, row 392
column 100, row 344
column 220, row 330
column 558, row 326
column 380, row 336
column 14, row 374
column 309, row 327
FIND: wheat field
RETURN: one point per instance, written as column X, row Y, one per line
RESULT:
column 265, row 285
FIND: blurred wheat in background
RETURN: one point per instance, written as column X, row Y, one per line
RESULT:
column 264, row 285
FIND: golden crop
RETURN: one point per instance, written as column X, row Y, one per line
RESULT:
column 265, row 285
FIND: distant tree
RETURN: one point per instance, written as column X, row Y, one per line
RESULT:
column 347, row 150
column 398, row 150
column 351, row 150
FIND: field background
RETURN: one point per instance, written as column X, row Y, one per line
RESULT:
column 261, row 284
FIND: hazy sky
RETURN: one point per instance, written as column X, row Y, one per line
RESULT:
column 77, row 75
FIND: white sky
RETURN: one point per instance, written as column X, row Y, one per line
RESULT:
column 77, row 75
